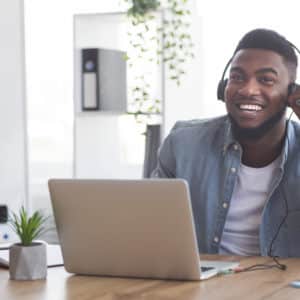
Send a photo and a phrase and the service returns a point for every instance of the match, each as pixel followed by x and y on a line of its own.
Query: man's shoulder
pixel 210 124
pixel 189 137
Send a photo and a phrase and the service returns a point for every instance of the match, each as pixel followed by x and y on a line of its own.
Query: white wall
pixel 49 71
pixel 12 98
pixel 186 101
pixel 180 103
pixel 54 41
pixel 107 145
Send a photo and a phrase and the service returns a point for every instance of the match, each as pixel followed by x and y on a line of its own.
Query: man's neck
pixel 261 152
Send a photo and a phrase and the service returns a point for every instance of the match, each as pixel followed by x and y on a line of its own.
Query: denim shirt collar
pixel 289 141
pixel 228 136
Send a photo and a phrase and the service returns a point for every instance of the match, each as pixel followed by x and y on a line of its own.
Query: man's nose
pixel 249 88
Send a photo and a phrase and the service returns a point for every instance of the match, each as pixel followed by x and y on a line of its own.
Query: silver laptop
pixel 129 228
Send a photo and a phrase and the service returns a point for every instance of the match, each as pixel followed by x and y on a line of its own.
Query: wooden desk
pixel 266 284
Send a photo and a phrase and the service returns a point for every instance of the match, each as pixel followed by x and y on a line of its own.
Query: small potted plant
pixel 28 259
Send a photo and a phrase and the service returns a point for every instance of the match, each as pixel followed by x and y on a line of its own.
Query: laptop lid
pixel 132 228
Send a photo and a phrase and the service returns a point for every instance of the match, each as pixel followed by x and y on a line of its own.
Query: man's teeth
pixel 250 107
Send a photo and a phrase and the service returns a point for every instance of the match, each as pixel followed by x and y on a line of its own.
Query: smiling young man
pixel 243 169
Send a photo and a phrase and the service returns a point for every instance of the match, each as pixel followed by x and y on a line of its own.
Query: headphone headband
pixel 223 82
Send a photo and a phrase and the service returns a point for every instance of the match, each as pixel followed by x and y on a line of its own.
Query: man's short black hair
pixel 269 40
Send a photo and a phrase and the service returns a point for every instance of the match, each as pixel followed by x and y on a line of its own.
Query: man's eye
pixel 266 80
pixel 236 77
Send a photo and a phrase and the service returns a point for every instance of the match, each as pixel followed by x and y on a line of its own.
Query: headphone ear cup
pixel 221 89
pixel 291 88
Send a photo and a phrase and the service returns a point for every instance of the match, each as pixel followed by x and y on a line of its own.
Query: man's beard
pixel 257 132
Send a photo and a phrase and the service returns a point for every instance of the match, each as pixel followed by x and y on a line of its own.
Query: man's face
pixel 257 89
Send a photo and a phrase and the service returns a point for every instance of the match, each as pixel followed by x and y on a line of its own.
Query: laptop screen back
pixel 132 228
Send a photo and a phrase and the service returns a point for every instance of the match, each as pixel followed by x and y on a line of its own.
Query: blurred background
pixel 90 91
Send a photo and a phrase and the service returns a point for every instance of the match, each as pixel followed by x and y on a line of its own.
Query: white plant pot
pixel 28 262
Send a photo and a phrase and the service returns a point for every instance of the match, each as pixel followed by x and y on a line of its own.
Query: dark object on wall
pixel 90 78
pixel 151 148
pixel 3 214
pixel 104 85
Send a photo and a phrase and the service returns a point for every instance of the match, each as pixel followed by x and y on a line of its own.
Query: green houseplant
pixel 28 259
pixel 169 43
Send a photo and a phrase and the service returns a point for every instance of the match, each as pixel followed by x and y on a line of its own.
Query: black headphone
pixel 223 82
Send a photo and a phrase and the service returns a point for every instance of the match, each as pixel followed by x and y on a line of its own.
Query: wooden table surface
pixel 264 284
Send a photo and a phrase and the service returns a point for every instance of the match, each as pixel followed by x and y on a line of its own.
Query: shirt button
pixel 233 170
pixel 235 147
pixel 216 239
pixel 225 205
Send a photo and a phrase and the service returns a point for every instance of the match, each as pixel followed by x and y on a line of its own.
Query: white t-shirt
pixel 252 188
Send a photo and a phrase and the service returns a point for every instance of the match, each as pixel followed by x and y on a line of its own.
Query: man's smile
pixel 248 111
pixel 249 107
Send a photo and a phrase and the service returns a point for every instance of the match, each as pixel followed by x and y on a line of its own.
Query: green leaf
pixel 179 12
pixel 27 228
pixel 125 57
pixel 173 45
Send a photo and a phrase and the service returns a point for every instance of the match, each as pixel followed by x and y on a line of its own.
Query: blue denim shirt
pixel 205 153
